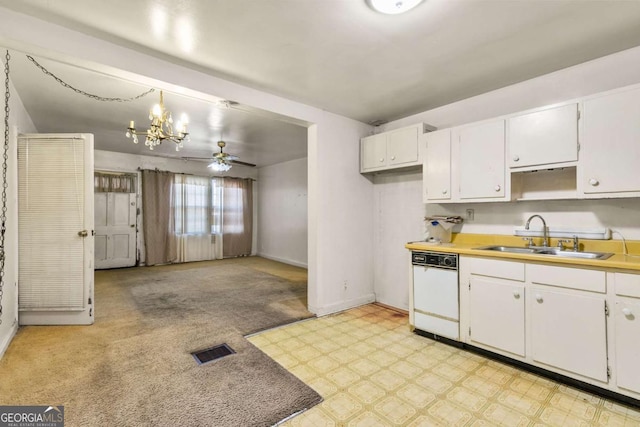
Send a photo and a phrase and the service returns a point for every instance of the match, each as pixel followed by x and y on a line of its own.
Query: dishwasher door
pixel 435 301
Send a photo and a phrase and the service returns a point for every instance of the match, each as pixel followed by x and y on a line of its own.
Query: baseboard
pixel 343 305
pixel 283 260
pixel 390 307
pixel 4 345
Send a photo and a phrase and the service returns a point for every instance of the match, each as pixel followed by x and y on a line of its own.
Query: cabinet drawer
pixel 567 277
pixel 512 270
pixel 627 284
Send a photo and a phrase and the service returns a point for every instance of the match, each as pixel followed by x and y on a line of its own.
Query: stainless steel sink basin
pixel 547 251
pixel 512 249
pixel 572 254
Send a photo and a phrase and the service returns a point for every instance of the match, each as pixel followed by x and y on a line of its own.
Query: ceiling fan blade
pixel 195 158
pixel 238 162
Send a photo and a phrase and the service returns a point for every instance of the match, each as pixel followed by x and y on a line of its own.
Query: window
pixel 192 204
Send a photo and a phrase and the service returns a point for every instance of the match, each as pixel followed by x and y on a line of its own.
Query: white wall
pixel 19 122
pixel 397 221
pixel 340 199
pixel 390 258
pixel 282 212
pixel 340 220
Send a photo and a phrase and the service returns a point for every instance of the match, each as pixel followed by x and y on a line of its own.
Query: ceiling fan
pixel 222 159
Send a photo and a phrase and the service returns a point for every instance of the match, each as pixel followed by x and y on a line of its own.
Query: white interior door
pixel 55 229
pixel 115 221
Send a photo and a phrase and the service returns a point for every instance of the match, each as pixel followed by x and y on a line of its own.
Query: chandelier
pixel 161 128
pixel 220 165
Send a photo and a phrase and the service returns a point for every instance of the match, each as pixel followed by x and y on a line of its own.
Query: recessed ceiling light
pixel 393 7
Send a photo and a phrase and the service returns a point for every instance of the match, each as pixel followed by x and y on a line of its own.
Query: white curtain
pixel 197 218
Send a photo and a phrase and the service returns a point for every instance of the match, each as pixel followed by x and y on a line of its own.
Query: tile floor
pixel 372 371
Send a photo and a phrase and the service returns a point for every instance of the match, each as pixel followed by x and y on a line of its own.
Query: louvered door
pixel 55 229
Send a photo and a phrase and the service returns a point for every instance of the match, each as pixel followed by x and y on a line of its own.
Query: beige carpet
pixel 134 367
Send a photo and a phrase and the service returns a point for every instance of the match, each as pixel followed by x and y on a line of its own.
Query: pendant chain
pixel 81 92
pixel 5 160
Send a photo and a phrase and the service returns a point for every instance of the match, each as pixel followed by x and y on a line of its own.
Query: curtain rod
pixel 190 174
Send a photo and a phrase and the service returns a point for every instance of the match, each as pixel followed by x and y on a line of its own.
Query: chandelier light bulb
pixel 156 111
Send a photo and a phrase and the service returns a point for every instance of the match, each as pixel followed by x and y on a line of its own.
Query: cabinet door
pixel 501 328
pixel 610 146
pixel 568 331
pixel 402 146
pixel 482 161
pixel 437 166
pixel 627 323
pixel 373 152
pixel 544 137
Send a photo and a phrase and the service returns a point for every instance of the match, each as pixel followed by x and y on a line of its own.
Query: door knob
pixel 516 158
pixel 83 233
pixel 497 188
pixel 516 294
pixel 594 182
pixel 627 311
pixel 539 298
pixel 444 191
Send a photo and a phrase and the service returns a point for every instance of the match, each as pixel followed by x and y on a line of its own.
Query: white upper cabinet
pixel 373 152
pixel 610 147
pixel 481 164
pixel 437 166
pixel 402 146
pixel 394 149
pixel 544 137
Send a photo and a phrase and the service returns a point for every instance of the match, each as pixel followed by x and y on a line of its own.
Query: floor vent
pixel 213 353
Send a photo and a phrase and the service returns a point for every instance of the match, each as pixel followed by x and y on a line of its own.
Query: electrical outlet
pixel 470 214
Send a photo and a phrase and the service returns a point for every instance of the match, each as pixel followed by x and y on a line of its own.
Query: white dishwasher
pixel 435 294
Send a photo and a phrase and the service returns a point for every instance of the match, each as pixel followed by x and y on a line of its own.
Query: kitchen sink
pixel 512 249
pixel 573 254
pixel 547 251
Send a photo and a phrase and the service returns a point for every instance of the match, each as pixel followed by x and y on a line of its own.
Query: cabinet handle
pixel 627 311
pixel 393 157
pixel 594 182
pixel 539 298
pixel 381 159
pixel 516 294
pixel 497 188
pixel 516 158
pixel 444 191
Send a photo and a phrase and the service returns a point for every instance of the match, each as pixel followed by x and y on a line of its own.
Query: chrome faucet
pixel 545 236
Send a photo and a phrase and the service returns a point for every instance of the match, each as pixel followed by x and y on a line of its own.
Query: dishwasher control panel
pixel 435 259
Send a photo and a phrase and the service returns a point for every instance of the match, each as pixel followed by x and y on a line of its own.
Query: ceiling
pixel 255 138
pixel 337 55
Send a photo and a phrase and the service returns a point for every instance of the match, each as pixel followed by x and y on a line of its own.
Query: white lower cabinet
pixel 626 318
pixel 554 317
pixel 569 331
pixel 626 315
pixel 496 314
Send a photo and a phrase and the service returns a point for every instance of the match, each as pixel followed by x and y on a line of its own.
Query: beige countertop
pixel 464 244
